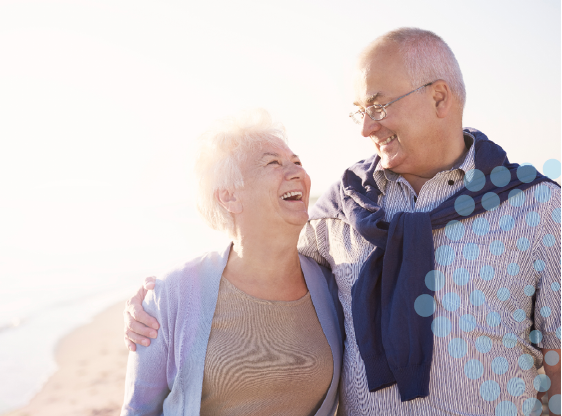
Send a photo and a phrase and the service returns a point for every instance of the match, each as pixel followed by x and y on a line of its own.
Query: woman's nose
pixel 295 172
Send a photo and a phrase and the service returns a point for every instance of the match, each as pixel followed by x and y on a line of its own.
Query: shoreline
pixel 90 378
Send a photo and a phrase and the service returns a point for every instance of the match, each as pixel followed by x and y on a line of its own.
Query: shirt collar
pixel 383 176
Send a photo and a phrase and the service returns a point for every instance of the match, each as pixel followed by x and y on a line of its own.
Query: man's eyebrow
pixel 370 99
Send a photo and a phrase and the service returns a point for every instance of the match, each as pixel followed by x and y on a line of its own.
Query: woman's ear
pixel 229 200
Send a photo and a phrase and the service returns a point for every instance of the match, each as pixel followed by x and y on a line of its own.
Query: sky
pixel 101 101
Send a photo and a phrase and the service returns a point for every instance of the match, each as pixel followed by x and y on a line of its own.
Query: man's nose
pixel 369 126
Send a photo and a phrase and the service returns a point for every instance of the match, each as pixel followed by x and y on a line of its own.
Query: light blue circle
pixel 483 344
pixel 509 340
pixel 526 362
pixel 500 176
pixel 542 193
pixel 551 358
pixel 523 244
pixel 519 315
pixel 490 201
pixel 541 382
pixel 441 326
pixel 539 265
pixel 507 223
pixel 526 173
pixel 556 215
pixel 434 280
pixel 503 293
pixel 461 276
pixel 470 251
pixel 487 272
pixel 535 336
pixel 533 219
pixel 444 255
pixel 493 319
pixel 545 311
pixel 497 247
pixel 464 205
pixel 516 197
pixel 473 369
pixel 548 240
pixel 532 406
pixel 506 408
pixel 467 322
pixel 424 305
pixel 558 332
pixel 529 290
pixel 480 226
pixel 551 168
pixel 490 390
pixel 457 348
pixel 474 180
pixel 516 386
pixel 477 297
pixel 451 301
pixel 554 403
pixel 513 269
pixel 500 365
pixel 555 286
pixel 454 230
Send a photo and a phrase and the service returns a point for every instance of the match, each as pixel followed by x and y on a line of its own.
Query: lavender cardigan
pixel 166 378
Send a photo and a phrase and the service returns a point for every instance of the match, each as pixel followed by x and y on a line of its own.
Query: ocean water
pixel 47 290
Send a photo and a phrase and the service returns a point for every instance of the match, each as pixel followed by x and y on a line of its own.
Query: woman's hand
pixel 139 326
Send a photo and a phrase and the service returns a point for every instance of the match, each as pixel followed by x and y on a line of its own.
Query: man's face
pixel 403 139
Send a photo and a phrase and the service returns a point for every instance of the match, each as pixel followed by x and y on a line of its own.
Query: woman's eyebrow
pixel 275 155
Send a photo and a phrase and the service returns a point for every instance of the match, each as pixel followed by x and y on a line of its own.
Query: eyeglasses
pixel 378 111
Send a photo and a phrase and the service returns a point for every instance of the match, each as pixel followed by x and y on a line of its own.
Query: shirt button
pixel 451 182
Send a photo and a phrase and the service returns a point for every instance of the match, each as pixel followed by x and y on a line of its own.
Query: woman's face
pixel 276 188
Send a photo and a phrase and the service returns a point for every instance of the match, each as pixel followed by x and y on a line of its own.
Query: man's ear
pixel 229 200
pixel 443 98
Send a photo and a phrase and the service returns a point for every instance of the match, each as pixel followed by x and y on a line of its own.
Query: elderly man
pixel 446 256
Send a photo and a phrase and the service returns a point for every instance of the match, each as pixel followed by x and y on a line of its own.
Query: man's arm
pixel 553 373
pixel 139 325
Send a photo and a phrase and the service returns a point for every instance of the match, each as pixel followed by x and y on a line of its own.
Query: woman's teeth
pixel 297 195
pixel 387 141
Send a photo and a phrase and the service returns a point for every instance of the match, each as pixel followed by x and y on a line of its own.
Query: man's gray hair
pixel 427 58
pixel 222 151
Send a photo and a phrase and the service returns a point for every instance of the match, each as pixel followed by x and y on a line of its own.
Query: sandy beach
pixel 90 380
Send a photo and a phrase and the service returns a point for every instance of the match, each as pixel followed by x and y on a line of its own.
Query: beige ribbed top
pixel 264 357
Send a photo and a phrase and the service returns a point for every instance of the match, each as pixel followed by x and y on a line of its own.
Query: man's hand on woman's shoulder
pixel 139 326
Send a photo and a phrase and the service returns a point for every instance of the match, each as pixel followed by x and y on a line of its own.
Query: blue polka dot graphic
pixel 541 382
pixel 516 386
pixel 454 230
pixel 548 240
pixel 558 332
pixel 533 219
pixel 523 244
pixel 461 276
pixel 555 286
pixel 451 301
pixel 545 311
pixel 535 336
pixel 509 340
pixel 464 205
pixel 487 272
pixel 444 255
pixel 477 297
pixel 551 168
pixel 490 201
pixel 480 226
pixel 493 319
pixel 474 180
pixel 500 365
pixel 526 173
pixel 532 406
pixel 503 293
pixel 542 193
pixel 526 362
pixel 551 358
pixel 554 404
pixel 539 265
pixel 424 305
pixel 519 315
pixel 507 223
pixel 457 348
pixel 513 269
pixel 556 215
pixel 434 280
pixel 490 390
pixel 441 326
pixel 497 248
pixel 470 251
pixel 516 197
pixel 473 369
pixel 506 408
pixel 483 344
pixel 500 176
pixel 529 290
pixel 467 322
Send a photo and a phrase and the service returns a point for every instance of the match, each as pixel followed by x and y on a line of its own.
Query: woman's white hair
pixel 427 58
pixel 222 150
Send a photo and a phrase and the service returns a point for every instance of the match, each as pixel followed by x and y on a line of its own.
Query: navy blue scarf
pixel 395 342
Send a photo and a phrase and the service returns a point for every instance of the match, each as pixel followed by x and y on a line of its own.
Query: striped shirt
pixel 497 296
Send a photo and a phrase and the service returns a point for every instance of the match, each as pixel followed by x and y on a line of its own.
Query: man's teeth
pixel 290 194
pixel 387 141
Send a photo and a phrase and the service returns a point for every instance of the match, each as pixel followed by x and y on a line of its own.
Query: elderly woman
pixel 254 329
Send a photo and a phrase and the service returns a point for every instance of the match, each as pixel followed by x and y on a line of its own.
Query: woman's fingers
pixel 138 332
pixel 149 283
